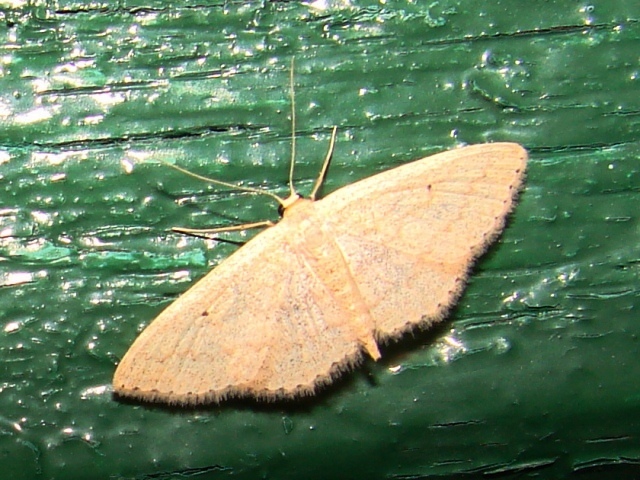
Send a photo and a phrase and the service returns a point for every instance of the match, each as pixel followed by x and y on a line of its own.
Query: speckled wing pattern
pixel 412 233
pixel 300 302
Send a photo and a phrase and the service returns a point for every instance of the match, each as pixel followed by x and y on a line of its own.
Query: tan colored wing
pixel 270 327
pixel 409 235
pixel 297 304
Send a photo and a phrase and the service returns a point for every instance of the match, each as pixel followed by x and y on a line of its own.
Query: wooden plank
pixel 536 371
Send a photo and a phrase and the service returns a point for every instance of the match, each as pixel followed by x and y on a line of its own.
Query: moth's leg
pixel 325 165
pixel 231 228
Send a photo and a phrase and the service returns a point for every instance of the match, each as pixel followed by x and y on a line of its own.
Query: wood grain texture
pixel 536 371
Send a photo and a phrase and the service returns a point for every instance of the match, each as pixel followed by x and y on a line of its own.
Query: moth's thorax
pixel 301 220
pixel 301 208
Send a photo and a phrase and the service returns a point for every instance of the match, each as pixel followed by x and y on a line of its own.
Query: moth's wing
pixel 261 324
pixel 410 234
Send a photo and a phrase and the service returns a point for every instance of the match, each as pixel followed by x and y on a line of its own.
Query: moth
pixel 306 299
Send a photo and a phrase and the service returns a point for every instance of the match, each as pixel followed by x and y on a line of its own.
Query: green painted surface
pixel 535 373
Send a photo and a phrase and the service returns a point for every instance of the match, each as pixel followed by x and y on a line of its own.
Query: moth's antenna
pixel 284 202
pixel 293 130
pixel 256 191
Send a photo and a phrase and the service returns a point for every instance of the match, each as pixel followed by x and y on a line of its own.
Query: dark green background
pixel 536 372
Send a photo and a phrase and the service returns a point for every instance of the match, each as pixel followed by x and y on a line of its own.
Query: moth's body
pixel 315 242
pixel 300 302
